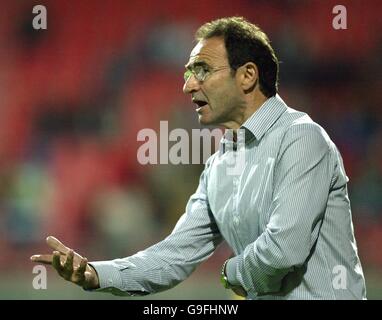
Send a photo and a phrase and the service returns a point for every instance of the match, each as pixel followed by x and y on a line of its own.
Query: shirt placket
pixel 236 221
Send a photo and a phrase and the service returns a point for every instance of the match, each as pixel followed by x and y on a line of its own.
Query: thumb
pixel 91 280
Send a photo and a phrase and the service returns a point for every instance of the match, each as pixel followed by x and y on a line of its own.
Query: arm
pixel 170 261
pixel 302 179
pixel 157 268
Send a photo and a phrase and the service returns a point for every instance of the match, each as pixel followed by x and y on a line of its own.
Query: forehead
pixel 212 51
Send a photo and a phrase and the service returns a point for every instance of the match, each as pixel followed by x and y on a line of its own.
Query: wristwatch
pixel 239 290
pixel 223 277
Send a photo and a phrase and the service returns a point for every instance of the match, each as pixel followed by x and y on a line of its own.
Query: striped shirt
pixel 286 216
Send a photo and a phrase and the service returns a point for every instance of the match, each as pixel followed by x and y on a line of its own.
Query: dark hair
pixel 245 42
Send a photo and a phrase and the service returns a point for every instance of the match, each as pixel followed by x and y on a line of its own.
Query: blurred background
pixel 73 98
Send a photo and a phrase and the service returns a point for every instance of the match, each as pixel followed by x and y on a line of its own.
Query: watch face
pixel 224 281
pixel 223 277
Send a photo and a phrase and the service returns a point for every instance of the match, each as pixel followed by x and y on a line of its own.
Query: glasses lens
pixel 199 72
pixel 187 75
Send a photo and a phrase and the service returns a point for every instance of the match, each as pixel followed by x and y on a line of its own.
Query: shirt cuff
pixel 109 276
pixel 230 271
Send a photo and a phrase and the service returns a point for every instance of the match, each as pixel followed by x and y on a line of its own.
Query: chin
pixel 205 121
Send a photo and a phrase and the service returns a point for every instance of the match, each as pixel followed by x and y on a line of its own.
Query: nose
pixel 191 85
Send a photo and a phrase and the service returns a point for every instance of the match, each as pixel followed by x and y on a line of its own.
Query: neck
pixel 246 112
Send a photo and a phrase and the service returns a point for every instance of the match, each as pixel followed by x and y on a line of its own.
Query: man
pixel 286 215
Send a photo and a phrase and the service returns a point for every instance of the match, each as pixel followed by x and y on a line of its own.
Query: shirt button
pixel 110 281
pixel 236 221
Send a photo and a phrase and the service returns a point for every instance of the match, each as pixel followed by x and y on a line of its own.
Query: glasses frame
pixel 191 70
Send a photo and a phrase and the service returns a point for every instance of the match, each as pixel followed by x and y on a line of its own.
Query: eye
pixel 201 72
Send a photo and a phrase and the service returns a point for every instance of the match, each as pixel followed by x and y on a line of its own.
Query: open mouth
pixel 200 103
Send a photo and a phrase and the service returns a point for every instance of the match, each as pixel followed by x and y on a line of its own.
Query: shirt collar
pixel 263 118
pixel 258 123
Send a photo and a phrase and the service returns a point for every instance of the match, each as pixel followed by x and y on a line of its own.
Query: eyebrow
pixel 195 64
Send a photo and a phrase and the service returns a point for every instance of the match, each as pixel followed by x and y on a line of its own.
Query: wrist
pixel 223 276
pixel 237 288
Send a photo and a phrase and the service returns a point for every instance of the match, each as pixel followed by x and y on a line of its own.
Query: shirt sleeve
pixel 165 264
pixel 302 179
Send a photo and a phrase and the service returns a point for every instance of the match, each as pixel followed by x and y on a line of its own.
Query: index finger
pixel 56 244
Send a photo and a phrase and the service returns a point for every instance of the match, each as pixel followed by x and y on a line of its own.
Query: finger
pixel 57 245
pixel 68 265
pixel 82 268
pixel 240 291
pixel 79 273
pixel 42 258
pixel 56 263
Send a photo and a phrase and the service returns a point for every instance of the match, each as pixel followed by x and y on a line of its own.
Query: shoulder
pixel 299 130
pixel 300 124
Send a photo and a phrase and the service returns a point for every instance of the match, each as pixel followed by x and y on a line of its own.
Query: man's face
pixel 217 97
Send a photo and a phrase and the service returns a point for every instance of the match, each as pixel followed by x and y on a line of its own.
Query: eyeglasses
pixel 201 72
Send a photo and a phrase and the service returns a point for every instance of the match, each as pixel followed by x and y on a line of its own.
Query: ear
pixel 248 76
